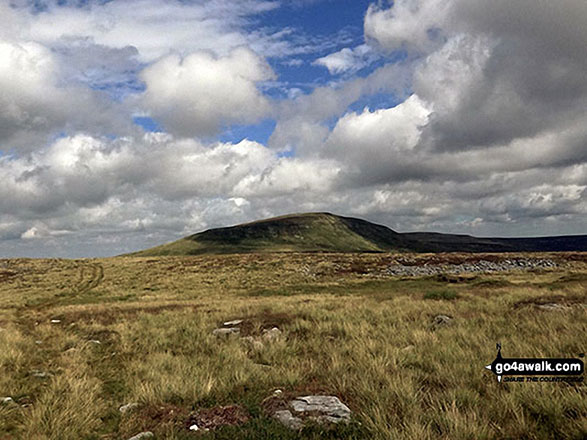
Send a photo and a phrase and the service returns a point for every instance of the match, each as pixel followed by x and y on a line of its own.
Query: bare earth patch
pixel 217 417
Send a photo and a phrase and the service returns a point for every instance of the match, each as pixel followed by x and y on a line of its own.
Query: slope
pixel 325 232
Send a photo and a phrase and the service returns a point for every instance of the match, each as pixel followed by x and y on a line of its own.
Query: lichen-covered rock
pixel 327 408
pixel 301 411
pixel 288 420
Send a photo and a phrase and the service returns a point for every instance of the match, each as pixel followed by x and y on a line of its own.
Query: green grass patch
pixel 443 294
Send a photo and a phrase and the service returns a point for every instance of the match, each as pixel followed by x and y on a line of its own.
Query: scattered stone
pixel 94 341
pixel 38 342
pixel 554 307
pixel 226 331
pixel 55 321
pixel 272 335
pixel 128 407
pixel 6 399
pixel 441 321
pixel 266 366
pixel 328 408
pixel 277 392
pixel 288 420
pixel 233 323
pixel 411 268
pixel 296 413
pixel 195 427
pixel 40 374
pixel 142 435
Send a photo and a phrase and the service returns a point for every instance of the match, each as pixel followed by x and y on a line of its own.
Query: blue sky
pixel 128 123
pixel 326 24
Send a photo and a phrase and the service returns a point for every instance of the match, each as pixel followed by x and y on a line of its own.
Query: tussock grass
pixel 347 330
pixel 445 294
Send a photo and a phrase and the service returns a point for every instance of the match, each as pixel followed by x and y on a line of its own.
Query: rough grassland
pixel 348 331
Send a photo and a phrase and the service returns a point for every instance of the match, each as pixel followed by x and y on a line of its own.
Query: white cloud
pixel 34 105
pixel 373 144
pixel 408 24
pixel 198 94
pixel 492 129
pixel 347 60
pixel 155 28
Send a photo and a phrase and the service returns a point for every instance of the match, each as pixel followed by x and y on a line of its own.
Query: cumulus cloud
pixel 412 25
pixel 153 27
pixel 502 70
pixel 81 182
pixel 373 144
pixel 300 122
pixel 486 134
pixel 34 105
pixel 198 94
pixel 347 59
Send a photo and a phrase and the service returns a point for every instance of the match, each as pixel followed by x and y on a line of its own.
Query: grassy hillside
pixel 315 232
pixel 78 339
pixel 324 232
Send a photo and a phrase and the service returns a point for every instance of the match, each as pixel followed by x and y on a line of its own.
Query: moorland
pixel 81 338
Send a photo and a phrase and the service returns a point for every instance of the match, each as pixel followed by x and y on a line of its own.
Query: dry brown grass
pixel 348 330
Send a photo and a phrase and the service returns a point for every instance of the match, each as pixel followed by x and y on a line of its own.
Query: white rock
pixel 55 321
pixel 233 323
pixel 128 407
pixel 226 331
pixel 441 320
pixel 553 307
pixel 272 335
pixel 277 392
pixel 6 399
pixel 38 342
pixel 194 427
pixel 289 420
pixel 329 407
pixel 142 435
pixel 94 341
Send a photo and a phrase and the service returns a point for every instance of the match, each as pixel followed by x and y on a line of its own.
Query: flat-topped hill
pixel 325 232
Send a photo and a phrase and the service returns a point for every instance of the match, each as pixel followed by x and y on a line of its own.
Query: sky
pixel 129 123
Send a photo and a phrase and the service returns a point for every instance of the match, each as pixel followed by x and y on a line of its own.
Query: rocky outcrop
pixel 296 413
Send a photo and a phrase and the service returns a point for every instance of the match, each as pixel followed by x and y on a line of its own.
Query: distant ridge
pixel 325 232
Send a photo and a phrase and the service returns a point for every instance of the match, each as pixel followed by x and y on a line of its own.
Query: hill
pixel 325 232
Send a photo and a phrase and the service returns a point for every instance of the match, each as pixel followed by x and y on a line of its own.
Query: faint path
pixel 90 276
